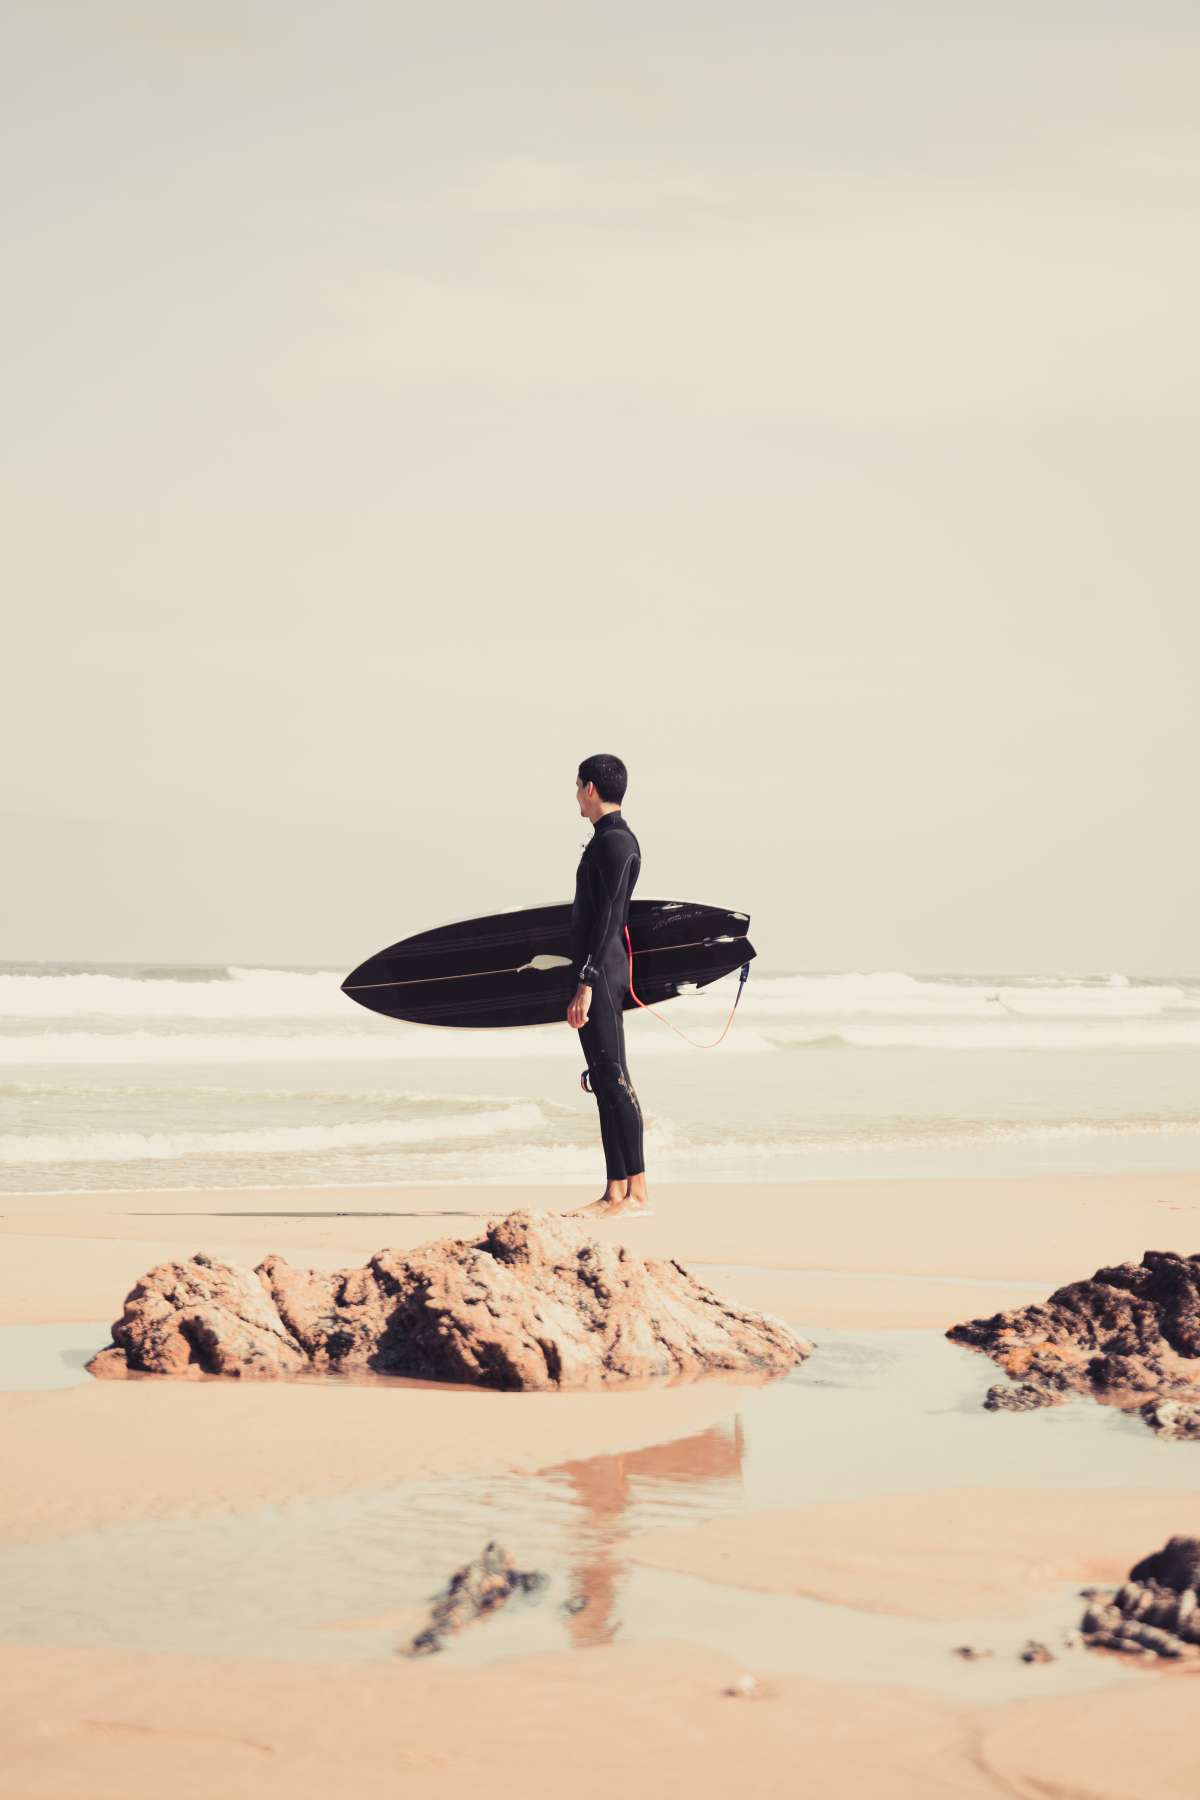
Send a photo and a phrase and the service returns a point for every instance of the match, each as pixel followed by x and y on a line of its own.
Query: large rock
pixel 1129 1336
pixel 536 1302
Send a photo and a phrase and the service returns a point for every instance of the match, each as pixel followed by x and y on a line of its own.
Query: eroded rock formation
pixel 1158 1608
pixel 1129 1336
pixel 200 1316
pixel 537 1302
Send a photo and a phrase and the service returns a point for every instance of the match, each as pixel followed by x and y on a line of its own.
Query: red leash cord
pixel 683 1034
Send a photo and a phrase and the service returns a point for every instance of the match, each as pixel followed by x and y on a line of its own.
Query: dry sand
pixel 851 1255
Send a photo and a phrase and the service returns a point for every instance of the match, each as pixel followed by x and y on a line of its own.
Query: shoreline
pixel 870 1481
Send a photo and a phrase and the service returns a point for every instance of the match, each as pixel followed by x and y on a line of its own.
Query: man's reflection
pixel 604 1489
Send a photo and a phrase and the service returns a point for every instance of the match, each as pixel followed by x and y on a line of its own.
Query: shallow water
pixel 35 1358
pixel 351 1577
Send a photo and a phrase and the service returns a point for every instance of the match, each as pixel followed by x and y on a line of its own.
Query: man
pixel 608 871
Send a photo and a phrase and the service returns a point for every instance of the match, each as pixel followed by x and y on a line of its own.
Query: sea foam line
pixel 243 995
pixel 135 1146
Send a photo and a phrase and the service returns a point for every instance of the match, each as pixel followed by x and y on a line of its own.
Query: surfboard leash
pixel 743 977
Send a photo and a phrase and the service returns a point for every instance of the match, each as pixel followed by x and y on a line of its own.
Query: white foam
pixel 133 1146
pixel 249 1015
pixel 1132 1034
pixel 888 995
pixel 145 1047
pixel 238 994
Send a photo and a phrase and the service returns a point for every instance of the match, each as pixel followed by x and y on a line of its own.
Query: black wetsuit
pixel 607 875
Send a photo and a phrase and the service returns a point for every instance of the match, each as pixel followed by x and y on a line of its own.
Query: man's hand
pixel 577 1012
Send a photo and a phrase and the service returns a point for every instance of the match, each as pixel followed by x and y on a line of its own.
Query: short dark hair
pixel 609 774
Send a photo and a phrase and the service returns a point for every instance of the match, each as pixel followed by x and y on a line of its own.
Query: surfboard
pixel 514 968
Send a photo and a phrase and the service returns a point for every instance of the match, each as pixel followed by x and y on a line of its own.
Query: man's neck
pixel 606 812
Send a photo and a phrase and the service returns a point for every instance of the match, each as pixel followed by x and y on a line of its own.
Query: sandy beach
pixel 834 1535
pixel 600 598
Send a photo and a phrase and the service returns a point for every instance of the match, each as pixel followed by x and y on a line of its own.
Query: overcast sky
pixel 402 402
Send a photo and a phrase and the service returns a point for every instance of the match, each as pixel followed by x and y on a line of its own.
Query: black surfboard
pixel 515 968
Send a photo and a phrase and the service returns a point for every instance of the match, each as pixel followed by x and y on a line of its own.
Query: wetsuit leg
pixel 603 1041
pixel 614 1162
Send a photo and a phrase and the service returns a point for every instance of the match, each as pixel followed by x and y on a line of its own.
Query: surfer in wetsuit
pixel 607 874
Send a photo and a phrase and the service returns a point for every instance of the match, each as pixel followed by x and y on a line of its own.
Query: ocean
pixel 151 1077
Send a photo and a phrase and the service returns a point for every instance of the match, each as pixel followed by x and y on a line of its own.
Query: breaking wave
pixel 131 1146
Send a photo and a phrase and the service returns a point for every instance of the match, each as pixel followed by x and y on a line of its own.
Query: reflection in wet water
pixel 605 1490
pixel 351 1578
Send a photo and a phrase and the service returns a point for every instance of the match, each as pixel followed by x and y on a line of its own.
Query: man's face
pixel 585 796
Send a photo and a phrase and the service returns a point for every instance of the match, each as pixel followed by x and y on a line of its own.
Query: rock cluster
pixel 1158 1608
pixel 536 1302
pixel 1129 1336
pixel 480 1587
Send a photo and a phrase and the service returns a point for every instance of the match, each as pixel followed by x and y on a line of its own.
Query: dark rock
pixel 1025 1398
pixel 1157 1611
pixel 1129 1336
pixel 480 1587
pixel 972 1653
pixel 537 1302
pixel 1036 1653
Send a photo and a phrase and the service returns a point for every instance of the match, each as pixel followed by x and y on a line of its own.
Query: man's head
pixel 600 785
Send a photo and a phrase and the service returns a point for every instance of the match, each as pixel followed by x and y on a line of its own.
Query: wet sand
pixel 931 1555
pixel 707 1531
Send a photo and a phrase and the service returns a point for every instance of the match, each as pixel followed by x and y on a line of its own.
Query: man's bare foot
pixel 611 1200
pixel 625 1207
pixel 636 1198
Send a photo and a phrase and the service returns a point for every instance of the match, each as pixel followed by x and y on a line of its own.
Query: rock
pixel 1129 1336
pixel 1175 1566
pixel 972 1653
pixel 743 1687
pixel 200 1317
pixel 1172 1418
pixel 1157 1611
pixel 1025 1398
pixel 1036 1653
pixel 537 1302
pixel 479 1587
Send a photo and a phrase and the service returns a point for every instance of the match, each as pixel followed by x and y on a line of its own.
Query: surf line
pixel 562 962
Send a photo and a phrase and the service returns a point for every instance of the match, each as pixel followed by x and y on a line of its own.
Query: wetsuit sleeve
pixel 611 874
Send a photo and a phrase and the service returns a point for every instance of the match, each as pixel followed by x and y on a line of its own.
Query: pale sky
pixel 402 402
